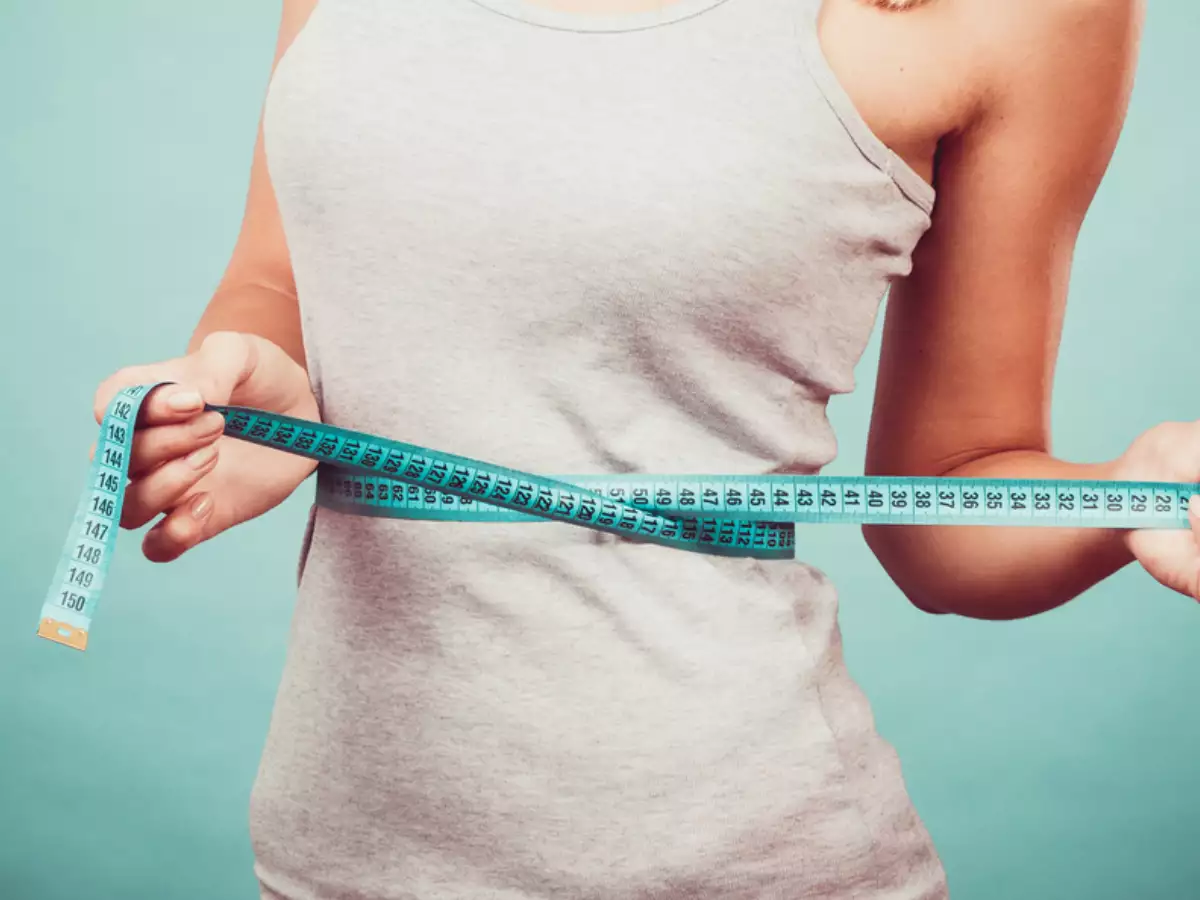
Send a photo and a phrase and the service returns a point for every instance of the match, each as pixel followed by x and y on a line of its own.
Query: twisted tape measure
pixel 729 515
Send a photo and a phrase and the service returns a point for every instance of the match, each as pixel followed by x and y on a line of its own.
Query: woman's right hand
pixel 182 465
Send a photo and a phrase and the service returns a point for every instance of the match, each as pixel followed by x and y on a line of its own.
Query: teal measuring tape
pixel 729 515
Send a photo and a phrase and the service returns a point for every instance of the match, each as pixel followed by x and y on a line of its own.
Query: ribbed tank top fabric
pixel 645 243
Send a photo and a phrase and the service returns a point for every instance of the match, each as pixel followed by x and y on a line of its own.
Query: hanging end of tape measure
pixel 62 633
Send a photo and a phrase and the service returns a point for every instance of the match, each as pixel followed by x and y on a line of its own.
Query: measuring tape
pixel 728 515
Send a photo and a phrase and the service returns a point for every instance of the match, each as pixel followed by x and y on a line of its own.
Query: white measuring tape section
pixel 729 515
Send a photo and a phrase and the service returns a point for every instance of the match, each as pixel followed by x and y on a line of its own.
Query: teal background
pixel 1051 758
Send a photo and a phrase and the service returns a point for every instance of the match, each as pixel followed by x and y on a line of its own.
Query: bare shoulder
pixel 1054 24
pixel 920 71
pixel 1020 42
pixel 1056 79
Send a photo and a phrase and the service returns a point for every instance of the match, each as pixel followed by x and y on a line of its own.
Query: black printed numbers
pixel 71 600
pixel 89 555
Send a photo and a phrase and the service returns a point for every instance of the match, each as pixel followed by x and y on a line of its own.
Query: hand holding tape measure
pixel 157 453
pixel 175 467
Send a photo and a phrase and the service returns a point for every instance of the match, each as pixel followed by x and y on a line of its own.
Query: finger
pixel 182 528
pixel 154 446
pixel 161 489
pixel 211 374
pixel 1194 522
pixel 171 404
pixel 125 378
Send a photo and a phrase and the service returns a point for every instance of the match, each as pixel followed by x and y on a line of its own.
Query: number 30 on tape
pixel 727 515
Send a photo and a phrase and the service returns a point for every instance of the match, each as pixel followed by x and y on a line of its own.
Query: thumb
pixel 222 364
pixel 1194 524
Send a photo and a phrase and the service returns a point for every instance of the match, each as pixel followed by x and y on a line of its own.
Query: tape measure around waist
pixel 729 515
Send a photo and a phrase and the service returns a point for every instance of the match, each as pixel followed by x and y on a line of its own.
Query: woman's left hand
pixel 1167 452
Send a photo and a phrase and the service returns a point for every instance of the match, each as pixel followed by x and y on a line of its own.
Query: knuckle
pixel 1171 433
pixel 223 340
pixel 158 491
pixel 180 475
pixel 181 530
pixel 224 347
pixel 1162 442
pixel 222 355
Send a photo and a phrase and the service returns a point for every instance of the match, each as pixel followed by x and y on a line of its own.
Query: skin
pixel 980 99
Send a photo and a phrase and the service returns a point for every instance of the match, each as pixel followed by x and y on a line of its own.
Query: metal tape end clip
pixel 62 633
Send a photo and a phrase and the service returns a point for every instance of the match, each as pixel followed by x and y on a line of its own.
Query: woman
pixel 622 236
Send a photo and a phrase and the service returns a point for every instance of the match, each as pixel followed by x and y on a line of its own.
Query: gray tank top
pixel 654 242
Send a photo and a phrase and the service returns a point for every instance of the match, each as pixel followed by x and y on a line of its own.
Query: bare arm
pixel 971 337
pixel 257 294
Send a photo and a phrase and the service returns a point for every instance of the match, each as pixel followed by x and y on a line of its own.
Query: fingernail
pixel 198 459
pixel 210 423
pixel 201 506
pixel 185 401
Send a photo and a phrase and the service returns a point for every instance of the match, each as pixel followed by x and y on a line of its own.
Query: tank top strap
pixel 908 180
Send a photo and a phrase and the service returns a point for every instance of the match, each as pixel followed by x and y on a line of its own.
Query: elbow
pixel 888 544
pixel 933 575
pixel 923 603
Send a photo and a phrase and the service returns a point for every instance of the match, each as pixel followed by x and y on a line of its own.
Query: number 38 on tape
pixel 727 515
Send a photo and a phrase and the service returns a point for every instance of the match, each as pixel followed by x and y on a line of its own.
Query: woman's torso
pixel 658 249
